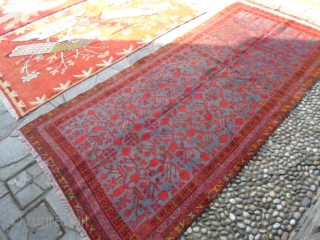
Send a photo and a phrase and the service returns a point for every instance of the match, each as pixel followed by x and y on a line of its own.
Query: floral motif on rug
pixel 141 156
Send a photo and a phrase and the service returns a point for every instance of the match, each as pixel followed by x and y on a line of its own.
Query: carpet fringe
pixel 44 166
pixel 8 106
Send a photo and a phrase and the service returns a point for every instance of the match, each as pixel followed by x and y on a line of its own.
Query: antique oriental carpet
pixel 141 155
pixel 16 13
pixel 45 58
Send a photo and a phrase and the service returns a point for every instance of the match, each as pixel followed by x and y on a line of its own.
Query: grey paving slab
pixel 10 213
pixel 121 65
pixel 19 231
pixel 156 48
pixel 43 182
pixel 7 124
pixel 37 113
pixel 164 40
pixel 106 74
pixel 41 215
pixel 58 208
pixel 3 189
pixel 158 43
pixel 11 170
pixel 35 170
pixel 307 11
pixel 12 150
pixel 19 182
pixel 274 5
pixel 80 88
pixel 142 52
pixel 179 31
pixel 3 236
pixel 71 235
pixel 27 195
pixel 14 134
pixel 49 231
pixel 2 107
pixel 58 100
pixel 201 5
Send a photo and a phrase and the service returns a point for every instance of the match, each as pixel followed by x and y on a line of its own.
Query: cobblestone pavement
pixel 30 208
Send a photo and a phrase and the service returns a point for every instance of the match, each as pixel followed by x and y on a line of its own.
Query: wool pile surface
pixel 47 57
pixel 141 155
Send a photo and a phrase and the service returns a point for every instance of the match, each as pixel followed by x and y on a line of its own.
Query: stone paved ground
pixel 307 10
pixel 30 208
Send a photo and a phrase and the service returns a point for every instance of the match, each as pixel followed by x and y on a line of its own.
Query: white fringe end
pixel 44 166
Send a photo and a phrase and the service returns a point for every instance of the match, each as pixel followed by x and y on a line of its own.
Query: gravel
pixel 269 196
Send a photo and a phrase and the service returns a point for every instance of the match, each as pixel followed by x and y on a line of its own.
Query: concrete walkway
pixel 29 207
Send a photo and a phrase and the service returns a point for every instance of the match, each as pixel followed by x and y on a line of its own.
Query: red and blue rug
pixel 141 155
